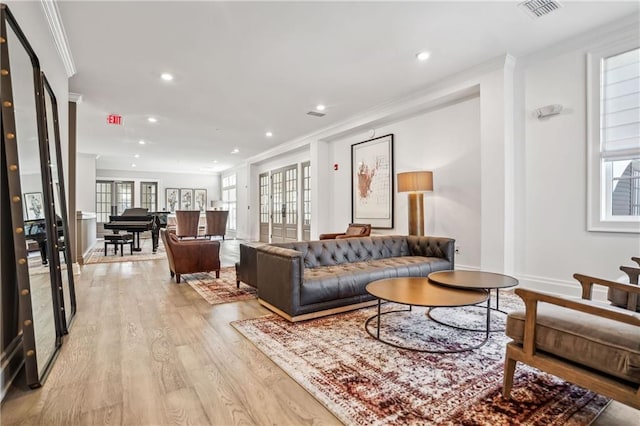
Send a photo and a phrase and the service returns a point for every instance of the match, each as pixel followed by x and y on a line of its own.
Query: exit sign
pixel 114 119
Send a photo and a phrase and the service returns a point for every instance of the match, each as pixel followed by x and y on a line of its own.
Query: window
pixel 149 196
pixel 614 138
pixel 112 198
pixel 229 199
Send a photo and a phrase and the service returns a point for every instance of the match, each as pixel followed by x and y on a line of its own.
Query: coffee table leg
pixel 378 326
pixel 488 315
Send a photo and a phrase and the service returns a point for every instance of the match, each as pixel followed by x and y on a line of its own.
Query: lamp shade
pixel 415 181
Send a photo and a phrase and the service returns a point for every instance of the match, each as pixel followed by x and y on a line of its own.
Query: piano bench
pixel 118 239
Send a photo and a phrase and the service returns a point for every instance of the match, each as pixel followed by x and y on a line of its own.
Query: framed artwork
pixel 372 182
pixel 34 205
pixel 186 199
pixel 172 199
pixel 200 199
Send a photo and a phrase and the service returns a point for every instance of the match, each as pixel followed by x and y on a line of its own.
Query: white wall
pixel 446 141
pixel 30 16
pixel 165 180
pixel 553 240
pixel 86 183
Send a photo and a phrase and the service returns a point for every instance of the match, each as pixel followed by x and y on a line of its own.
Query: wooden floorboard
pixel 144 350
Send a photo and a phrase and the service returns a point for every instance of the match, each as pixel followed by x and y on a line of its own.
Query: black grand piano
pixel 137 220
pixel 35 230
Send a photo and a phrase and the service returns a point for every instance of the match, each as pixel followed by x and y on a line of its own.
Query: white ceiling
pixel 242 68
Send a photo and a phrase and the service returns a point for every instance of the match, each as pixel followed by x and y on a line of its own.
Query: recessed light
pixel 320 107
pixel 422 56
pixel 137 156
pixel 141 142
pixel 152 120
pixel 215 161
pixel 166 76
pixel 235 151
pixel 133 165
pixel 268 134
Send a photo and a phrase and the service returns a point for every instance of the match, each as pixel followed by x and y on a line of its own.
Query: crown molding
pixel 54 19
pixel 75 97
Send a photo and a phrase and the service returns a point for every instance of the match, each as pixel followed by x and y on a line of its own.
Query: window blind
pixel 620 106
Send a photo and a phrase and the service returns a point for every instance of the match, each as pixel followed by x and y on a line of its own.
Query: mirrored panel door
pixel 66 289
pixel 29 187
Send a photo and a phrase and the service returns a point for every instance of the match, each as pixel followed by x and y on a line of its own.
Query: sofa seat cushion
pixel 345 280
pixel 600 343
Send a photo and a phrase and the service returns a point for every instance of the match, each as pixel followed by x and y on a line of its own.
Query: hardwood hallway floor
pixel 146 351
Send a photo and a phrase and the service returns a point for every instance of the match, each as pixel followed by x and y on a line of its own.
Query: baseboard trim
pixel 558 287
pixel 317 314
pixel 467 268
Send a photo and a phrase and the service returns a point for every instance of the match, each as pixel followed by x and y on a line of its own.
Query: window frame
pixel 598 178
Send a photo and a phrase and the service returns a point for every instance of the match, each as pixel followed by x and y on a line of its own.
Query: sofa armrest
pixel 441 247
pixel 330 236
pixel 280 275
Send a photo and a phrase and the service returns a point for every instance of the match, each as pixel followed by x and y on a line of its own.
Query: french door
pixel 112 198
pixel 284 204
pixel 263 184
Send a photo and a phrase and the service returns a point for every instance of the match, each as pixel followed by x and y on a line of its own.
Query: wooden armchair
pixel 353 231
pixel 591 344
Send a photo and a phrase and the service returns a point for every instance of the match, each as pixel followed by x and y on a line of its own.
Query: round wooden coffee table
pixel 473 280
pixel 420 292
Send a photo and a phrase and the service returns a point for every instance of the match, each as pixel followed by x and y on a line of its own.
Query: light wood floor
pixel 145 351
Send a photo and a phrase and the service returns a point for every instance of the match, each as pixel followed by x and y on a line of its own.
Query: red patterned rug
pixel 219 290
pixel 365 382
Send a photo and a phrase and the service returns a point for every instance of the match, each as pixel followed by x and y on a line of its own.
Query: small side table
pixel 118 239
pixel 473 280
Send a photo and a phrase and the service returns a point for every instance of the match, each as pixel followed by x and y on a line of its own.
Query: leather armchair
pixel 354 230
pixel 189 256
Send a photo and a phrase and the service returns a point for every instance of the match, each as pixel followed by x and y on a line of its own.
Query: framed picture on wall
pixel 186 199
pixel 172 199
pixel 372 182
pixel 34 205
pixel 200 199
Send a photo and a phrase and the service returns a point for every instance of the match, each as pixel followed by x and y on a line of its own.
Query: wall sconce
pixel 415 183
pixel 548 111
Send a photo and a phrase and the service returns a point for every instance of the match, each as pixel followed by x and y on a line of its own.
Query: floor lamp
pixel 415 183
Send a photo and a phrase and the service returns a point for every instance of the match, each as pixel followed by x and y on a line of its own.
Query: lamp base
pixel 416 213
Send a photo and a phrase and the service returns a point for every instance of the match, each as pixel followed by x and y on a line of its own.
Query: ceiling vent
pixel 538 8
pixel 316 114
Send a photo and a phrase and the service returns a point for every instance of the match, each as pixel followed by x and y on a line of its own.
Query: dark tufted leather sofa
pixel 307 279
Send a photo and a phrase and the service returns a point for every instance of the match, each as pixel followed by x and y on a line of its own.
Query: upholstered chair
pixel 187 223
pixel 588 343
pixel 216 222
pixel 622 298
pixel 353 231
pixel 190 256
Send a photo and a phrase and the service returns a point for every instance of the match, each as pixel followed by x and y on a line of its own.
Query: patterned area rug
pixel 363 381
pixel 219 290
pixel 97 253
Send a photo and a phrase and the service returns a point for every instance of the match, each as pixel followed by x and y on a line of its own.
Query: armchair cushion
pixel 353 230
pixel 600 343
